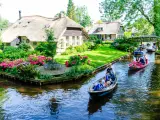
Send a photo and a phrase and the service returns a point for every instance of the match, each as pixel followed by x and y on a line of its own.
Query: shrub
pixel 81 69
pixel 13 53
pixel 81 48
pixel 48 48
pixel 124 44
pixel 10 64
pixel 12 71
pixel 93 38
pixel 90 45
pixel 98 41
pixel 1 52
pixel 38 60
pixel 77 60
pixel 71 49
pixel 24 46
pixel 27 72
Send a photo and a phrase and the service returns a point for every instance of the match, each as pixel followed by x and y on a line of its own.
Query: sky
pixel 48 8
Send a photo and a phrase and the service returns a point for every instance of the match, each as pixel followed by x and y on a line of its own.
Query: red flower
pixel 67 64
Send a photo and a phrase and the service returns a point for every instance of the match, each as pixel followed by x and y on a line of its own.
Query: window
pixel 100 29
pixel 73 37
pixel 67 38
pixel 78 37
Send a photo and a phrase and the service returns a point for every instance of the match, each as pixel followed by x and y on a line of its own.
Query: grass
pixel 103 55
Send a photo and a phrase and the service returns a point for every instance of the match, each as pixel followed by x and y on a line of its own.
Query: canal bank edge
pixel 60 79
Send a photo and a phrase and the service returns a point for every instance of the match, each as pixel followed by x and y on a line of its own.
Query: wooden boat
pixel 104 91
pixel 137 65
pixel 151 50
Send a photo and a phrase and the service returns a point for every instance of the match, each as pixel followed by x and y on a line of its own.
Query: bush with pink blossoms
pixel 38 60
pixel 10 64
pixel 77 60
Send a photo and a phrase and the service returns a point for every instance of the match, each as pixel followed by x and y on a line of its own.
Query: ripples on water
pixel 136 97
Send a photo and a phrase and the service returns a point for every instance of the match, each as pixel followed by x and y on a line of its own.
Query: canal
pixel 137 97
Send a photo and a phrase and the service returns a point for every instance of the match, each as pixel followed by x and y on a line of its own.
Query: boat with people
pixel 139 52
pixel 104 85
pixel 137 65
pixel 141 62
pixel 153 49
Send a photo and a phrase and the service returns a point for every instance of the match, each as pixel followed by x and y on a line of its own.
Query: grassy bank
pixel 103 55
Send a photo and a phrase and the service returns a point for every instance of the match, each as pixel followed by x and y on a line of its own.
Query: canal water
pixel 137 97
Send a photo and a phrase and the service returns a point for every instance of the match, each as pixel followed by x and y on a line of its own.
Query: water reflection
pixel 95 104
pixel 3 97
pixel 53 104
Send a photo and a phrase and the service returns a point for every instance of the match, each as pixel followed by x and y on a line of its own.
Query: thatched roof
pixel 33 27
pixel 107 28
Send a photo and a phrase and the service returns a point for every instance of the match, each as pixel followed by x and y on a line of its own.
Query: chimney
pixel 20 14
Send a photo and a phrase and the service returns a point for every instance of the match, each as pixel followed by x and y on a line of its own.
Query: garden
pixel 42 63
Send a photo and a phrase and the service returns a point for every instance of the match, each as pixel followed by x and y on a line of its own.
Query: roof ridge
pixel 37 16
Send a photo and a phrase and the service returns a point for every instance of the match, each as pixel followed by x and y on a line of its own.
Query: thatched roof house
pixel 32 30
pixel 107 30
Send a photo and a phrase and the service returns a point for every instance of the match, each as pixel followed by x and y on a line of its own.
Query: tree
pixel 71 10
pixel 48 48
pixel 3 24
pixel 142 27
pixel 82 16
pixel 131 10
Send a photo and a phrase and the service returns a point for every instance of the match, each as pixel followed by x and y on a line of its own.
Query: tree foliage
pixel 3 24
pixel 48 48
pixel 24 46
pixel 71 10
pixel 82 16
pixel 141 27
pixel 131 10
pixel 78 14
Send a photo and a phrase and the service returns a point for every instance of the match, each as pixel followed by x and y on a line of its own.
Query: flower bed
pixel 32 59
pixel 77 60
pixel 38 60
pixel 10 64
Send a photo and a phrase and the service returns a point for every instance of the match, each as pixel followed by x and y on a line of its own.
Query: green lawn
pixel 98 57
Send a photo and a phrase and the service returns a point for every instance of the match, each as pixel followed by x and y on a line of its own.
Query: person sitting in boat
pixel 142 60
pixel 154 46
pixel 98 86
pixel 112 75
pixel 107 79
pixel 137 59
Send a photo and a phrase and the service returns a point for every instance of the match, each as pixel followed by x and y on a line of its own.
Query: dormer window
pixel 100 29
